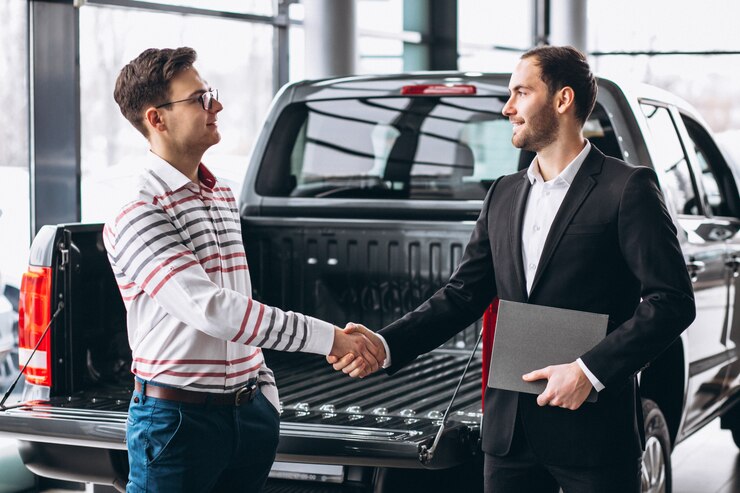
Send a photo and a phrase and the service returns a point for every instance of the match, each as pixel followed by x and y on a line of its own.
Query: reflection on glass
pixel 670 160
pixel 432 147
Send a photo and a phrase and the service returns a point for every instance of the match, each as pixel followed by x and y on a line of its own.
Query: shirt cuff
pixel 387 361
pixel 320 336
pixel 591 377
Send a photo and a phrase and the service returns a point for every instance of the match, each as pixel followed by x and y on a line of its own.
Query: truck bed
pixel 325 415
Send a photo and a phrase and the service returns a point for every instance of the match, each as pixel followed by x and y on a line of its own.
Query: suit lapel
pixel 577 193
pixel 518 206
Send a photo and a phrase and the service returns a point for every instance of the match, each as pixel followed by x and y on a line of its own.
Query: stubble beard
pixel 542 131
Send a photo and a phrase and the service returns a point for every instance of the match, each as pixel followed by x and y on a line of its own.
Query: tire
pixel 656 459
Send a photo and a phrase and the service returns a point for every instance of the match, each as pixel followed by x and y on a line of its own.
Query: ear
pixel 154 119
pixel 565 99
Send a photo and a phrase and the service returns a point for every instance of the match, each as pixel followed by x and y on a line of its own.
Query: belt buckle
pixel 246 392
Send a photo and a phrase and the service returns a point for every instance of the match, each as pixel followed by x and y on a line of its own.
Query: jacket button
pixel 136 400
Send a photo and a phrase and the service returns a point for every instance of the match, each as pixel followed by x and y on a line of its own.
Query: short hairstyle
pixel 145 81
pixel 565 66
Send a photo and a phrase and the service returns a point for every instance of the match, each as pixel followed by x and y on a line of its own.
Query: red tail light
pixel 34 314
pixel 439 89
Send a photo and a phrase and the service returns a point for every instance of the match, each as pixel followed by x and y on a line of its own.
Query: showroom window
pixel 14 151
pixel 238 62
pixel 385 43
pixel 493 35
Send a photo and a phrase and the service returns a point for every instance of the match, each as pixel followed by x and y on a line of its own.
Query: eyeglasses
pixel 206 99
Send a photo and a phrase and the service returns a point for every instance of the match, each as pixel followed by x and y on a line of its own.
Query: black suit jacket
pixel 612 249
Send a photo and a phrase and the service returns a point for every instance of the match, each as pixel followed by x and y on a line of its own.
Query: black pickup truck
pixel 357 204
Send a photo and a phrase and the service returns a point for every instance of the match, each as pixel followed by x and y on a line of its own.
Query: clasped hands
pixel 356 351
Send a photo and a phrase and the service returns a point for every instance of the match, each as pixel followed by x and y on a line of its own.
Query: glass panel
pixel 237 62
pixel 260 7
pixel 661 25
pixel 716 177
pixel 380 55
pixel 380 15
pixel 297 53
pixel 670 161
pixel 472 59
pixel 15 228
pixel 495 23
pixel 448 148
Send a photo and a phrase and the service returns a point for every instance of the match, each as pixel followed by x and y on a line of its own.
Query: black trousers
pixel 521 472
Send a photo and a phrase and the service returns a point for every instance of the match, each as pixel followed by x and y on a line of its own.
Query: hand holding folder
pixel 531 337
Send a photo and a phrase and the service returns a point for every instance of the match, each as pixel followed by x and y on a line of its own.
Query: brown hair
pixel 145 81
pixel 565 66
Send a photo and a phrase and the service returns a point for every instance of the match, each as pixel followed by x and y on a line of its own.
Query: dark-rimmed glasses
pixel 206 99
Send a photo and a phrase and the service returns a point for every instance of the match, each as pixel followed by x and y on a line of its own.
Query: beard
pixel 541 131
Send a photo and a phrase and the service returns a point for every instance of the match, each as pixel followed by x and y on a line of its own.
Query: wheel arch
pixel 664 381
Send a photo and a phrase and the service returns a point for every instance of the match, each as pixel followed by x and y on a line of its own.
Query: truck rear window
pixel 424 148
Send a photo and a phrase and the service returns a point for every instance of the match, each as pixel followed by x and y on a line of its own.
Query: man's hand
pixel 348 362
pixel 567 385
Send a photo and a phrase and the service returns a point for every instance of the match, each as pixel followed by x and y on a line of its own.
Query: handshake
pixel 357 351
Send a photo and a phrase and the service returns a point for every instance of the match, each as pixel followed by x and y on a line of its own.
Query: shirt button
pixel 532 266
pixel 536 228
pixel 547 194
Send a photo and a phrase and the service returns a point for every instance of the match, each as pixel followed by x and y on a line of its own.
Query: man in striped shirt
pixel 204 412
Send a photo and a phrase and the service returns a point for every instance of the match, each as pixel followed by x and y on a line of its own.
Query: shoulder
pixel 140 202
pixel 617 171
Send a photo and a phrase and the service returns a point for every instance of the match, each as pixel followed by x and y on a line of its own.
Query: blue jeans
pixel 178 447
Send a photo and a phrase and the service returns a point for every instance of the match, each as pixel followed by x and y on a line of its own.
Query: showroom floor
pixel 707 462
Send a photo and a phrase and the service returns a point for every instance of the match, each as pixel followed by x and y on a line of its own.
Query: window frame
pixel 690 163
pixel 718 166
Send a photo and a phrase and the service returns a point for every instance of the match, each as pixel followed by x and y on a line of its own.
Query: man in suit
pixel 576 230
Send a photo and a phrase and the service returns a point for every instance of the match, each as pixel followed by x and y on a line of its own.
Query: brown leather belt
pixel 244 394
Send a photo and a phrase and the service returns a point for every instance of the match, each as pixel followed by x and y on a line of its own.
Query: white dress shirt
pixel 543 203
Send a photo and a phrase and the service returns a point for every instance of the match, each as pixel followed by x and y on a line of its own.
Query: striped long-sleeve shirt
pixel 178 258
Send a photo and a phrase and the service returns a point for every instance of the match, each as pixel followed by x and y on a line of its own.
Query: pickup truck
pixel 357 204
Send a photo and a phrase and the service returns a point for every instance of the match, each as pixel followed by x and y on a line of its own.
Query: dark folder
pixel 530 337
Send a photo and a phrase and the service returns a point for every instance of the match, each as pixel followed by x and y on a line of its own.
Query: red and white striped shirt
pixel 178 257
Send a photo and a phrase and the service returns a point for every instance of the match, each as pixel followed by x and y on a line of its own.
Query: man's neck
pixel 553 159
pixel 187 164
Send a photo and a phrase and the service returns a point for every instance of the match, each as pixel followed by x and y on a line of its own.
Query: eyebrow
pixel 519 86
pixel 198 92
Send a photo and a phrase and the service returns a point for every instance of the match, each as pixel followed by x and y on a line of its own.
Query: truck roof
pixel 486 83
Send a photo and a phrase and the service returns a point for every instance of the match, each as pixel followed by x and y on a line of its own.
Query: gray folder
pixel 530 337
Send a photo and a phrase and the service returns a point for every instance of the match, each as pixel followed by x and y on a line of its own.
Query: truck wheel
pixel 656 459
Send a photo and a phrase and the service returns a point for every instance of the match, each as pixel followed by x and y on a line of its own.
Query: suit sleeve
pixel 453 307
pixel 649 245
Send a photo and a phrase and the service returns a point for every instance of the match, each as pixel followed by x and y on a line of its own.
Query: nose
pixel 508 108
pixel 216 106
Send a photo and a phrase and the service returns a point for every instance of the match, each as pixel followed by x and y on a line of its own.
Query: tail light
pixel 34 314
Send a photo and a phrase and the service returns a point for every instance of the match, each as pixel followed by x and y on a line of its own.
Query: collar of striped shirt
pixel 173 178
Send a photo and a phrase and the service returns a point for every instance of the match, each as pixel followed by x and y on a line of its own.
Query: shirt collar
pixel 567 175
pixel 173 178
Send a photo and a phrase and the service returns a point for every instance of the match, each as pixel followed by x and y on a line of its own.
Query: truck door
pixel 722 203
pixel 705 254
